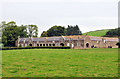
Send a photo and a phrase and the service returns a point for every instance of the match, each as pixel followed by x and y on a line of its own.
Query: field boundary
pixel 14 48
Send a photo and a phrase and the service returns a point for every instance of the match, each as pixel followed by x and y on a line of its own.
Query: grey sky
pixel 88 14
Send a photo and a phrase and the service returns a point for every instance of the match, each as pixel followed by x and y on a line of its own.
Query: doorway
pixel 30 44
pixel 87 45
pixel 61 44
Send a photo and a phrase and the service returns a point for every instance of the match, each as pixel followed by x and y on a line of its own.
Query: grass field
pixel 97 33
pixel 60 63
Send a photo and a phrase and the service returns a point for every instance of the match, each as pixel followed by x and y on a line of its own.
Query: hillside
pixel 97 33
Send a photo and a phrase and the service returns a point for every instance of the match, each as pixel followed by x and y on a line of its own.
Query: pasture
pixel 97 33
pixel 60 63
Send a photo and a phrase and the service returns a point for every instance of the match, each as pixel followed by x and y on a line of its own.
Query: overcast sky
pixel 89 15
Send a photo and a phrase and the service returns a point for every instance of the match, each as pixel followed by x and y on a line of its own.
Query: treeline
pixel 11 31
pixel 113 32
pixel 62 31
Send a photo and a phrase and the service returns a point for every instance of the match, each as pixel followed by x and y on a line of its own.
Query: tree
pixel 118 44
pixel 44 34
pixel 11 33
pixel 22 31
pixel 77 30
pixel 113 32
pixel 73 30
pixel 56 31
pixel 32 30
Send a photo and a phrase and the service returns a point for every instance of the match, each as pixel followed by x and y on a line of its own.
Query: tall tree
pixel 9 34
pixel 22 31
pixel 44 34
pixel 32 30
pixel 77 30
pixel 56 31
pixel 73 30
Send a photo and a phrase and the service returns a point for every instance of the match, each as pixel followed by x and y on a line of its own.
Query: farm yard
pixel 60 63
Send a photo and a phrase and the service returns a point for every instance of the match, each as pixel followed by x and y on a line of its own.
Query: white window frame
pixel 104 41
pixel 22 45
pixel 25 45
pixel 68 44
pixel 72 45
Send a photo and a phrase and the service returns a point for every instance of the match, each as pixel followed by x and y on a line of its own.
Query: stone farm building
pixel 77 41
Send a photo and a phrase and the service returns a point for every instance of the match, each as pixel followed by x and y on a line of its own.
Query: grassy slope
pixel 60 63
pixel 97 33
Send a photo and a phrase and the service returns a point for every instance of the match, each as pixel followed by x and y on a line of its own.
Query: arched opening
pixel 46 44
pixel 61 44
pixel 40 44
pixel 30 44
pixel 43 44
pixel 37 45
pixel 49 44
pixel 87 45
pixel 53 44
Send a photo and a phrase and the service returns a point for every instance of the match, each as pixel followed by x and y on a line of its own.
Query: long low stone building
pixel 76 42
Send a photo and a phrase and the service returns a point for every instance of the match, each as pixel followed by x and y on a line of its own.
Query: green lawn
pixel 97 33
pixel 60 63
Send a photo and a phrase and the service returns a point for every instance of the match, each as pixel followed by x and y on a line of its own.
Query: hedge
pixel 12 48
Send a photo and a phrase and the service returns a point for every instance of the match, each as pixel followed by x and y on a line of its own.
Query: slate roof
pixel 112 39
pixel 39 39
pixel 75 37
pixel 103 38
pixel 53 38
pixel 96 38
pixel 24 39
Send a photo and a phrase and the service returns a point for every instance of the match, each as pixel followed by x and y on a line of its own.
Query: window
pixel 24 41
pixel 22 45
pixel 25 45
pixel 34 44
pixel 53 41
pixel 97 41
pixel 104 41
pixel 37 41
pixel 72 45
pixel 78 44
pixel 68 44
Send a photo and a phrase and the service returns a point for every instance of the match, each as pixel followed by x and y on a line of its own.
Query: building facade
pixel 76 42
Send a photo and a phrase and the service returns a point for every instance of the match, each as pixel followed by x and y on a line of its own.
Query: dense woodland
pixel 10 32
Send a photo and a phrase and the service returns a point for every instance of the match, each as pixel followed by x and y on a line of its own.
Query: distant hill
pixel 97 33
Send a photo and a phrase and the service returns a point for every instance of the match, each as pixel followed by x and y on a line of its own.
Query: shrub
pixel 12 48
